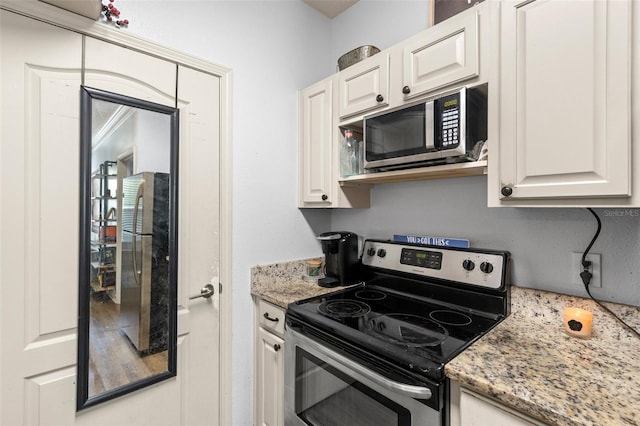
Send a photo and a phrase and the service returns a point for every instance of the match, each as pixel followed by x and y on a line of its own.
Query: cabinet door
pixel 314 162
pixel 269 404
pixel 479 411
pixel 565 90
pixel 446 54
pixel 364 86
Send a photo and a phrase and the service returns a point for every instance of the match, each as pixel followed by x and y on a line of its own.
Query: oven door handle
pixel 417 392
pixel 412 391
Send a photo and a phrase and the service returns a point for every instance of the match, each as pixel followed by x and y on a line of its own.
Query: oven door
pixel 325 388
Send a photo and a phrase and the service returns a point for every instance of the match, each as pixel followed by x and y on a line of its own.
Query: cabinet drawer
pixel 271 317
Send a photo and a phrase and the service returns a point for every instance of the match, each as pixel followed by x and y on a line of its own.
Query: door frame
pixel 53 15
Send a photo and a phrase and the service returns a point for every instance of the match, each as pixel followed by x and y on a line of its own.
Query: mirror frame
pixel 82 383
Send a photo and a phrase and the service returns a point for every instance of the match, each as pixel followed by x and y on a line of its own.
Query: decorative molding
pixel 61 18
pixel 88 8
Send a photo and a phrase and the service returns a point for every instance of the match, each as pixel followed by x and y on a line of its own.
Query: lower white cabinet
pixel 471 409
pixel 268 392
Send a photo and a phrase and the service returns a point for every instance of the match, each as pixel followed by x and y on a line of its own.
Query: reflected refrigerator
pixel 144 310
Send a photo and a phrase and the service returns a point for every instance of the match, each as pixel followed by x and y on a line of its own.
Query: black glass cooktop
pixel 417 332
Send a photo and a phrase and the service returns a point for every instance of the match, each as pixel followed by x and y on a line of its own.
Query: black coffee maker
pixel 342 266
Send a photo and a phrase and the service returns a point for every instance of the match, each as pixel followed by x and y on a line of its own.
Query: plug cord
pixel 586 276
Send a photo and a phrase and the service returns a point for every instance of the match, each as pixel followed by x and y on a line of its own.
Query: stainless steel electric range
pixel 374 353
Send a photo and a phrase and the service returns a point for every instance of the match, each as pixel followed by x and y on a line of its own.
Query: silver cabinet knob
pixel 205 292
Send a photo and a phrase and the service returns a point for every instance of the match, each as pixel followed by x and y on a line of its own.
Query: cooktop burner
pixel 371 295
pixel 407 330
pixel 450 317
pixel 344 308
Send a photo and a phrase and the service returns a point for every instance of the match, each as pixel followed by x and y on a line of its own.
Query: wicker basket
pixel 356 55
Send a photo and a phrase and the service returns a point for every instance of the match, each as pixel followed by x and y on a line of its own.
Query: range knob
pixel 468 265
pixel 486 267
pixel 371 251
pixel 382 252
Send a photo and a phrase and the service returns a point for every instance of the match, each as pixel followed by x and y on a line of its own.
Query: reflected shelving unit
pixel 103 226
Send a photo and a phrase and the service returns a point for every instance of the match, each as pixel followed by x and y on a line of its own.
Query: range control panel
pixel 482 268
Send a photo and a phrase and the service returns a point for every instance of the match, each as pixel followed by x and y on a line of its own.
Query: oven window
pixel 327 397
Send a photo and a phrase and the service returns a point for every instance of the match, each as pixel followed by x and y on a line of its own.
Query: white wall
pixel 274 48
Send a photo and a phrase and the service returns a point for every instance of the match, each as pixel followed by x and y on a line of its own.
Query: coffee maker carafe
pixel 341 258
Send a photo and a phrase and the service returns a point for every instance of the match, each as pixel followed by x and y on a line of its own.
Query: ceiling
pixel 330 8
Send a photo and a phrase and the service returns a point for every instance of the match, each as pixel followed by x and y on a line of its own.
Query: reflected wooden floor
pixel 113 361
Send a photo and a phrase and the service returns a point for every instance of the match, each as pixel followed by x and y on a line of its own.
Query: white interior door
pixel 41 71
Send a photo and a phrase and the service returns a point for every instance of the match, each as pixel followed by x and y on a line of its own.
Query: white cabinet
pixel 318 153
pixel 421 66
pixel 563 136
pixel 315 147
pixel 364 86
pixel 446 54
pixel 268 395
pixel 469 408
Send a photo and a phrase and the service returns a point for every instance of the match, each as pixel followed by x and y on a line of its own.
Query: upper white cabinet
pixel 562 132
pixel 424 65
pixel 446 54
pixel 364 86
pixel 314 144
pixel 318 154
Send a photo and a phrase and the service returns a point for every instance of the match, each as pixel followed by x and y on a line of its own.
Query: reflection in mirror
pixel 128 245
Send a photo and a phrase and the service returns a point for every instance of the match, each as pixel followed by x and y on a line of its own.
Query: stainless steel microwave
pixel 449 128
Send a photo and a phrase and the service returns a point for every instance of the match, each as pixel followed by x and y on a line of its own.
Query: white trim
pixel 55 16
pixel 117 120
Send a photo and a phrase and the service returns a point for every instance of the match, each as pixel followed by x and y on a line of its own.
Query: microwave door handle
pixel 429 126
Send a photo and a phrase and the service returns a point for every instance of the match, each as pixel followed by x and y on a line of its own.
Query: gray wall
pixel 540 240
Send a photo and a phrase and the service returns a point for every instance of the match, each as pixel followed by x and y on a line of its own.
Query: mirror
pixel 128 245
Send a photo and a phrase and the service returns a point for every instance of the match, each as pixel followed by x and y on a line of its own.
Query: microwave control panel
pixel 448 116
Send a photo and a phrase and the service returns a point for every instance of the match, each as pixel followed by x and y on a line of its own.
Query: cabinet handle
pixel 276 347
pixel 406 90
pixel 324 197
pixel 506 191
pixel 379 98
pixel 267 317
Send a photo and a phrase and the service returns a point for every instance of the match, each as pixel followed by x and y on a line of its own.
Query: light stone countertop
pixel 282 283
pixel 527 362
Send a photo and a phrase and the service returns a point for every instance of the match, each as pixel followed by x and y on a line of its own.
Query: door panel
pixel 127 72
pixel 39 217
pixel 199 241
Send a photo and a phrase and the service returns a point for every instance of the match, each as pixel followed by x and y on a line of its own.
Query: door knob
pixel 205 292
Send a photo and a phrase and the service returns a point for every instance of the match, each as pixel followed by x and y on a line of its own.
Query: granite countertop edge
pixel 528 362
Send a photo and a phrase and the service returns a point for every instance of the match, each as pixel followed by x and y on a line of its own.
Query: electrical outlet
pixel 595 269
